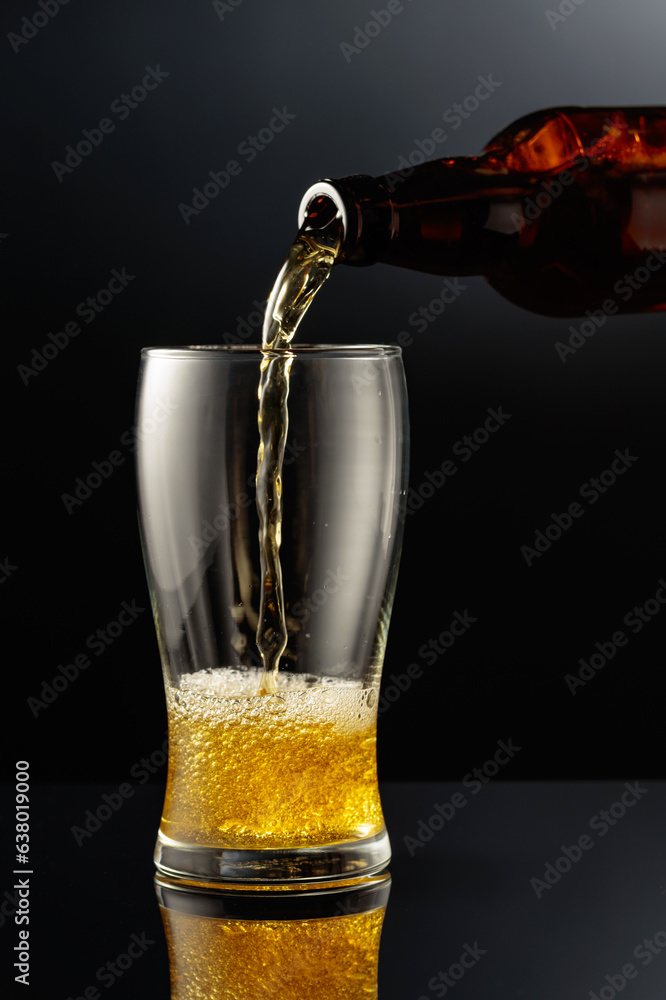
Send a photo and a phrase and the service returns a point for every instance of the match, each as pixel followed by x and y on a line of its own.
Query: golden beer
pixel 293 769
pixel 330 958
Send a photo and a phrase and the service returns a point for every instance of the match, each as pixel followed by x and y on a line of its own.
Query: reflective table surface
pixel 503 890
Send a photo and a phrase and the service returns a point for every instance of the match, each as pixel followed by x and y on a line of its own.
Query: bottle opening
pixel 322 206
pixel 320 213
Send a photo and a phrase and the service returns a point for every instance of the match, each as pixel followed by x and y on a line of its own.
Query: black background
pixel 120 209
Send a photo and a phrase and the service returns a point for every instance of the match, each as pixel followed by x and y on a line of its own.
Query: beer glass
pixel 272 786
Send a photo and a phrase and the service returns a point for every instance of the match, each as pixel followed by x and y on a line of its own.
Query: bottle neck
pixel 363 206
pixel 457 216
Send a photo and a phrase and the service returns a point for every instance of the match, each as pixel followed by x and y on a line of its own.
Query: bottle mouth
pixel 361 205
pixel 322 206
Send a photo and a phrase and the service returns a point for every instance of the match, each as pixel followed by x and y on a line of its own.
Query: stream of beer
pixel 305 269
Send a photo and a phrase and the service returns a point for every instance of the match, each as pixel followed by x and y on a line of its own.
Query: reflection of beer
pixel 332 957
pixel 295 769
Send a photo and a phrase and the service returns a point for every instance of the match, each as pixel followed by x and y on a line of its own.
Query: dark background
pixel 70 572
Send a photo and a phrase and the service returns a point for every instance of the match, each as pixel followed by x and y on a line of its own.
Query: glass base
pixel 351 859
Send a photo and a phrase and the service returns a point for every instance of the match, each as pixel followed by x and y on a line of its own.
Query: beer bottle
pixel 563 212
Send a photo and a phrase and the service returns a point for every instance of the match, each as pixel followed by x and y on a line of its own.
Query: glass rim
pixel 208 351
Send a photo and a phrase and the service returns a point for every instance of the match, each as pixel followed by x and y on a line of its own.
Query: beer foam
pixel 228 696
pixel 230 682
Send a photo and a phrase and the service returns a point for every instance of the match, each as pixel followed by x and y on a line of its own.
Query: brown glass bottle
pixel 565 211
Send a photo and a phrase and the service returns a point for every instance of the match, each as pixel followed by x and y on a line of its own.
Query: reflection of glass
pixel 286 944
pixel 280 786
